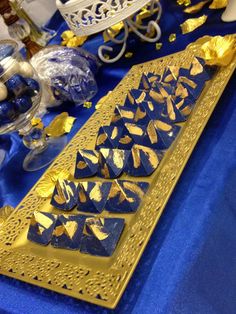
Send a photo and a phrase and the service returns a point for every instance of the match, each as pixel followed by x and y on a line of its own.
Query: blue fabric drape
pixel 189 263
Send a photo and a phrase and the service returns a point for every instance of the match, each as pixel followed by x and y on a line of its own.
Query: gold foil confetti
pixel 71 40
pixel 218 4
pixel 172 37
pixel 60 125
pixel 158 46
pixel 129 55
pixel 46 186
pixel 219 50
pixel 102 100
pixel 113 31
pixel 37 122
pixel 87 104
pixel 191 24
pixel 184 2
pixel 196 8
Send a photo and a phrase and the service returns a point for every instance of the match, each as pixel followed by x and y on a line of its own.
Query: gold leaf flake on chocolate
pixel 105 171
pixel 90 157
pixel 118 190
pixel 156 96
pixel 96 226
pixel 136 157
pixel 197 68
pixel 101 139
pixel 96 193
pixel 141 98
pixel 218 4
pixel 168 78
pixel 62 197
pixel 191 24
pixel 133 187
pixel 186 111
pixel 134 129
pixel 181 91
pixel 150 105
pixel 125 140
pixel 40 218
pixel 105 152
pixel 82 196
pixel 179 104
pixel 114 133
pixel 131 99
pixel 162 126
pixel 81 165
pixel 152 134
pixel 69 229
pixel 188 81
pixel 127 114
pixel 139 115
pixel 152 156
pixel 170 109
pixel 118 158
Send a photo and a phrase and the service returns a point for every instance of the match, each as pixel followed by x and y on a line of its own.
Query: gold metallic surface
pixel 60 125
pixel 73 272
pixel 218 4
pixel 196 8
pixel 191 24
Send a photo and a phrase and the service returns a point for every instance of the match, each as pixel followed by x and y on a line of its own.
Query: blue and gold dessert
pixel 145 83
pixel 122 115
pixel 112 162
pixel 86 163
pixel 65 195
pixel 125 196
pixel 68 232
pixel 166 132
pixel 172 73
pixel 184 105
pixel 92 196
pixel 41 227
pixel 108 136
pixel 170 113
pixel 200 71
pixel 101 235
pixel 142 161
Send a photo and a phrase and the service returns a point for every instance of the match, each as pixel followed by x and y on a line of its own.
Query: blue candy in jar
pixel 23 103
pixel 17 85
pixel 32 84
pixel 8 112
pixel 6 51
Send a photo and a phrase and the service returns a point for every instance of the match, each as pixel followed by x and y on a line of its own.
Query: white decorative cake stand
pixel 86 17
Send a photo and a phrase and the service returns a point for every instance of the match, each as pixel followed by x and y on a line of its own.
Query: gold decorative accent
pixel 172 38
pixel 60 125
pixel 103 282
pixel 69 39
pixel 191 24
pixel 196 8
pixel 219 50
pixel 218 4
pixel 158 46
pixel 5 211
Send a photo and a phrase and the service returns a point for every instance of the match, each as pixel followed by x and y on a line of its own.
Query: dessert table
pixel 189 263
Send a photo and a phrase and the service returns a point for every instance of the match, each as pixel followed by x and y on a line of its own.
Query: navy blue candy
pixel 17 84
pixel 7 112
pixel 33 84
pixel 6 51
pixel 23 103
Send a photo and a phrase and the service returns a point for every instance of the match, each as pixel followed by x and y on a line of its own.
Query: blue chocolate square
pixel 65 195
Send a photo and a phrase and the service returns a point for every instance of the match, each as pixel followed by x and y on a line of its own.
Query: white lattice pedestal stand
pixel 86 17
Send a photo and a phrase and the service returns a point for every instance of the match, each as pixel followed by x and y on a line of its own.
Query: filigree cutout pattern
pixel 99 286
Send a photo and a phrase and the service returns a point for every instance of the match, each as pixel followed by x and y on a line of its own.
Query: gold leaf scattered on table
pixel 172 38
pixel 145 13
pixel 184 2
pixel 102 100
pixel 191 24
pixel 218 4
pixel 219 50
pixel 47 184
pixel 5 212
pixel 60 125
pixel 196 8
pixel 113 31
pixel 37 122
pixel 71 40
pixel 158 46
pixel 128 55
pixel 87 104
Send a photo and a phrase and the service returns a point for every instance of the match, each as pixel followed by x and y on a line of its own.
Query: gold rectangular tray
pixel 94 279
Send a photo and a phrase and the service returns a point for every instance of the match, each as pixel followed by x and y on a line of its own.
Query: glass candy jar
pixel 20 96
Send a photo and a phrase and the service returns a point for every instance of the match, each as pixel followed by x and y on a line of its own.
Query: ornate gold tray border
pixel 99 286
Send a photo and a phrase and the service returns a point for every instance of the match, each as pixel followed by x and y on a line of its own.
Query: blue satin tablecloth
pixel 189 265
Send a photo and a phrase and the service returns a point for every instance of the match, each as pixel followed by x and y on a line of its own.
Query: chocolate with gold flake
pixel 153 77
pixel 112 162
pixel 145 83
pixel 122 115
pixel 68 231
pixel 172 73
pixel 41 227
pixel 194 87
pixel 166 132
pixel 86 163
pixel 200 70
pixel 142 161
pixel 92 196
pixel 65 195
pixel 171 113
pixel 101 235
pixel 184 105
pixel 108 136
pixel 125 196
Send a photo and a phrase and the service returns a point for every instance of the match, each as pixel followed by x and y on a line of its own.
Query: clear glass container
pixel 20 96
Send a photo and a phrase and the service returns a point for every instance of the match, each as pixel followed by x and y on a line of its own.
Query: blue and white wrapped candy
pixel 67 74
